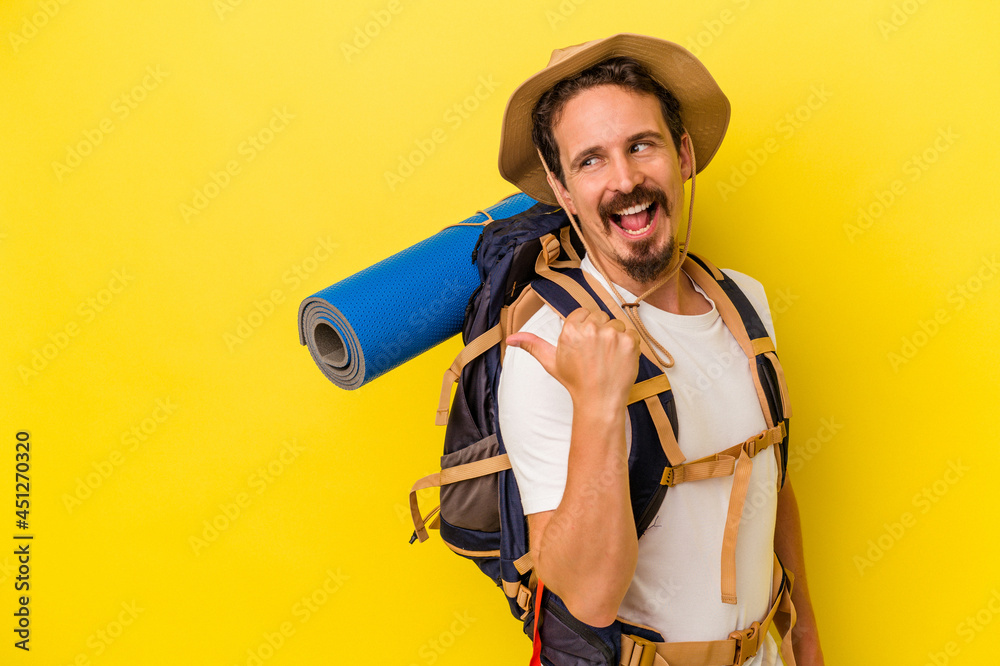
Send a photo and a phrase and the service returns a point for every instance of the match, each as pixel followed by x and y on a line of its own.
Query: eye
pixel 639 147
pixel 588 162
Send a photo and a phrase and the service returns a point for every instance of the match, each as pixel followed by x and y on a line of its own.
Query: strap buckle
pixel 757 443
pixel 747 643
pixel 643 652
pixel 668 477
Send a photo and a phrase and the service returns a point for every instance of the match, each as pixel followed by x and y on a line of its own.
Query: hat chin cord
pixel 632 309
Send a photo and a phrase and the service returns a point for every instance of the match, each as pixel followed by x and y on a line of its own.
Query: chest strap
pixel 724 464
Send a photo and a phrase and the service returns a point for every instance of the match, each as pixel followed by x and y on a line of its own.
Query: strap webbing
pixel 648 388
pixel 524 564
pixel 454 474
pixel 475 469
pixel 782 386
pixel 564 239
pixel 491 337
pixel 568 284
pixel 741 482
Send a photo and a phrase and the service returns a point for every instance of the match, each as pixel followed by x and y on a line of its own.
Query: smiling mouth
pixel 635 220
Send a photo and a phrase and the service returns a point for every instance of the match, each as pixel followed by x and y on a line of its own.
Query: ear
pixel 562 194
pixel 686 157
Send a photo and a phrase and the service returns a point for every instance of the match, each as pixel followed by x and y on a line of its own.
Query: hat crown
pixel 561 54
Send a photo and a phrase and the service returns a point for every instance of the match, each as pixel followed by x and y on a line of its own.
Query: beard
pixel 646 262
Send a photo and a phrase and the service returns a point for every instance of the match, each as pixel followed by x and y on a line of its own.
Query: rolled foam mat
pixel 375 320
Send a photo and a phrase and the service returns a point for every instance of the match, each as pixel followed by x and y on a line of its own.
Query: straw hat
pixel 704 108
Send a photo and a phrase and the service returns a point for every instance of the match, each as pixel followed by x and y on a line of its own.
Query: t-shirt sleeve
pixel 754 291
pixel 536 420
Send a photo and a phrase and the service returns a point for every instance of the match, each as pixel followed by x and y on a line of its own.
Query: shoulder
pixel 754 291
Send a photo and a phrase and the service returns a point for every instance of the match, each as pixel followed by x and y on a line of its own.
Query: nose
pixel 624 174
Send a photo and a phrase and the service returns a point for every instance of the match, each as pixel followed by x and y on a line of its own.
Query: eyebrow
pixel 647 134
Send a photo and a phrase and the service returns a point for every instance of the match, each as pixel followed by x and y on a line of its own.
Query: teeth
pixel 635 209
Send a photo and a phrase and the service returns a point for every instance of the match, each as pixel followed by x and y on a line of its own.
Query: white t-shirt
pixel 677 584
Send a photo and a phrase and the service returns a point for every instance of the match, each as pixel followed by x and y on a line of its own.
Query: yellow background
pixel 869 85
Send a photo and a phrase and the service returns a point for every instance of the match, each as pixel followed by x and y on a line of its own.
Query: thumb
pixel 542 351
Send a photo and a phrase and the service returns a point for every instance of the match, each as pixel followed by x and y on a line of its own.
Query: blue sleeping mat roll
pixel 381 317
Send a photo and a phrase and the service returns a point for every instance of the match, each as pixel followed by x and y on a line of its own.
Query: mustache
pixel 639 195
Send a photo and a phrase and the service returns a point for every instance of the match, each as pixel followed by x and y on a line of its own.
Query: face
pixel 624 180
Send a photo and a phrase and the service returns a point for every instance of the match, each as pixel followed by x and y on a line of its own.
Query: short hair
pixel 623 72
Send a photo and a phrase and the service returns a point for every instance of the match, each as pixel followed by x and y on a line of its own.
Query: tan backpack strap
pixel 475 469
pixel 485 341
pixel 518 591
pixel 786 404
pixel 454 474
pixel 734 322
pixel 543 266
pixel 741 482
pixel 648 388
pixel 765 346
pixel 664 430
pixel 567 244
pixel 420 522
pixel 514 316
pixel 722 463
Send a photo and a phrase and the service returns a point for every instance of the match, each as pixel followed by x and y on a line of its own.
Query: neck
pixel 677 295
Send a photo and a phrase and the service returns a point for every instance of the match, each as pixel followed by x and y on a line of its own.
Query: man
pixel 622 124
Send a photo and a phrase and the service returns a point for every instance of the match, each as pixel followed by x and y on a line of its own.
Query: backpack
pixel 525 260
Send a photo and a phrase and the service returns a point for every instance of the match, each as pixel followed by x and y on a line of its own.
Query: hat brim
pixel 704 108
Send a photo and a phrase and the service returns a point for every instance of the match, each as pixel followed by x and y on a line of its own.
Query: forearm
pixel 587 550
pixel 788 546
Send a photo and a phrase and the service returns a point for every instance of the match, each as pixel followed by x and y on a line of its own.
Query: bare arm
pixel 788 546
pixel 586 549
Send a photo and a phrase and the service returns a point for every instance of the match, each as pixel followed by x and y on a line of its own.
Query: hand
pixel 595 358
